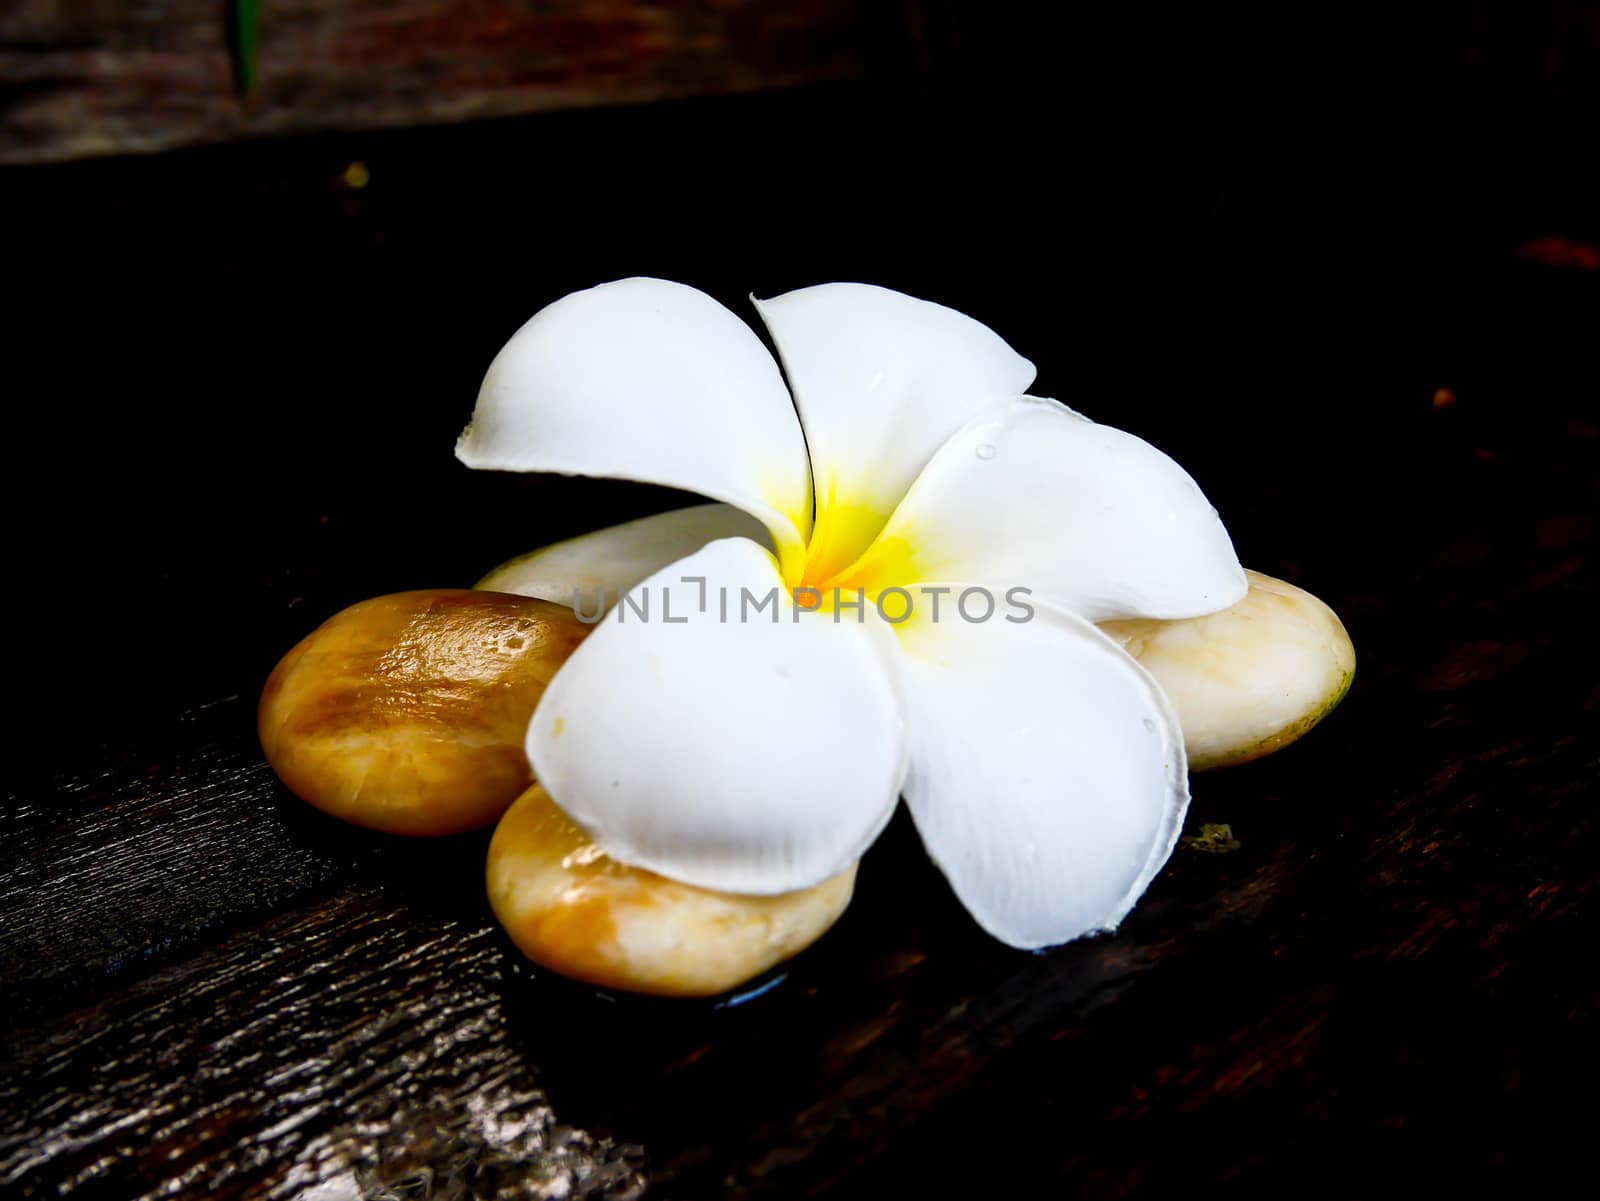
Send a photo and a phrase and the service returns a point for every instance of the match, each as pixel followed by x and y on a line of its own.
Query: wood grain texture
pixel 178 844
pixel 110 78
pixel 375 1049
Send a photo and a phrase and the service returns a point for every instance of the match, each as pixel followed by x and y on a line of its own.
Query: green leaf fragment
pixel 243 24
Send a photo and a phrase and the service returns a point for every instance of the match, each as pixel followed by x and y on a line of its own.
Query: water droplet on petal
pixel 1149 726
pixel 986 450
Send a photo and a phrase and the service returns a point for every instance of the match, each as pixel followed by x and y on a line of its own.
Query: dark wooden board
pixel 107 78
pixel 1383 989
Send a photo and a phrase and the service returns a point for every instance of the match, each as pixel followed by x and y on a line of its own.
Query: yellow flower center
pixel 849 553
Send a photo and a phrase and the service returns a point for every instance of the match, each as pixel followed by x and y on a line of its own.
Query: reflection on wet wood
pixel 346 1046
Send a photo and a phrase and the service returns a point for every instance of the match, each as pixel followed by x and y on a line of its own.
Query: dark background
pixel 1338 262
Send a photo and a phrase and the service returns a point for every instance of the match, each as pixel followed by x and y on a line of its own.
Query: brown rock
pixel 577 912
pixel 407 713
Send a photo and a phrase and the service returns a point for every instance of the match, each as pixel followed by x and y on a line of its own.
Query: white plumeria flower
pixel 1042 765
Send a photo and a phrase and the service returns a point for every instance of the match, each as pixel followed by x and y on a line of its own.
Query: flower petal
pixel 1090 518
pixel 758 754
pixel 1047 774
pixel 647 380
pixel 592 571
pixel 881 380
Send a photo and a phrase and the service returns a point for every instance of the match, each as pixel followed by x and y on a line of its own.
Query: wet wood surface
pixel 1376 984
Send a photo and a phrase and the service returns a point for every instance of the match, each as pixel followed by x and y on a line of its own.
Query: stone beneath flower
pixel 1250 679
pixel 407 713
pixel 570 908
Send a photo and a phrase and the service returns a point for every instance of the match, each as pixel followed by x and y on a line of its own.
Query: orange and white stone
pixel 572 909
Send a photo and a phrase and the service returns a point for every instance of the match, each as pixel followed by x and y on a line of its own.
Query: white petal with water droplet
pixel 1088 517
